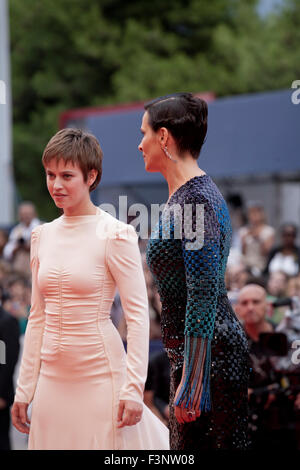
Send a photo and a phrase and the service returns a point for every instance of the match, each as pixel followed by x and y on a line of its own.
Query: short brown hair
pixel 78 147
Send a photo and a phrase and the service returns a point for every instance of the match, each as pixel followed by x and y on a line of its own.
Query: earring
pixel 168 154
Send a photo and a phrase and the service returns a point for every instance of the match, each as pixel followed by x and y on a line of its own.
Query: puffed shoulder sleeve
pixel 125 264
pixel 30 363
pixel 202 261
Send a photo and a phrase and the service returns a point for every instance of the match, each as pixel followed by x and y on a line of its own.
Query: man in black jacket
pixel 272 415
pixel 9 353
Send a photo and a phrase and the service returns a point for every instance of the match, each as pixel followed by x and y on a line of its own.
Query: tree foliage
pixel 71 53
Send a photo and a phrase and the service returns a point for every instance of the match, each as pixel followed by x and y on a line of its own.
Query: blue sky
pixel 266 6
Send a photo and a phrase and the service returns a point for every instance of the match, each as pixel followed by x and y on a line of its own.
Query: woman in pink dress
pixel 86 392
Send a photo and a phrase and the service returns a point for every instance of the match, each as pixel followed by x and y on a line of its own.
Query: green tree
pixel 71 53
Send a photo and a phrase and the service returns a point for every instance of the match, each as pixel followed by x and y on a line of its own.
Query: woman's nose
pixel 57 184
pixel 140 147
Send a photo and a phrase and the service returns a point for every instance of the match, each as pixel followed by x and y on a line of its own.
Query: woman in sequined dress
pixel 187 254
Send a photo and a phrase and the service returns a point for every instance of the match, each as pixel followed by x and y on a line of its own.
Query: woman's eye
pixel 65 176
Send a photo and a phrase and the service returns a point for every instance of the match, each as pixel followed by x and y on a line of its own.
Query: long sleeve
pixel 202 274
pixel 30 363
pixel 125 264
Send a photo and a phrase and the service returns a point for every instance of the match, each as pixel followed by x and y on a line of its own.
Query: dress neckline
pixel 186 184
pixel 75 219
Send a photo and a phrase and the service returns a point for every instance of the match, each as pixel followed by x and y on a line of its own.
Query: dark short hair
pixel 289 225
pixel 184 115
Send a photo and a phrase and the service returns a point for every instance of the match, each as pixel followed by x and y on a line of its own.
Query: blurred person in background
pixel 277 284
pixel 5 271
pixel 17 301
pixel 293 287
pixel 252 307
pixel 257 239
pixel 3 241
pixel 236 277
pixel 238 220
pixel 276 290
pixel 10 346
pixel 17 249
pixel 286 256
pixel 271 414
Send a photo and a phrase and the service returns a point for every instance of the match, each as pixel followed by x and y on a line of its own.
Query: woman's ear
pixel 92 176
pixel 163 135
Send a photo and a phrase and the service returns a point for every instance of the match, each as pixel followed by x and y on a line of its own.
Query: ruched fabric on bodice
pixel 78 295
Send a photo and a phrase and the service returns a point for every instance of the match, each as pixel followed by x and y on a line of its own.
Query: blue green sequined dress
pixel 205 342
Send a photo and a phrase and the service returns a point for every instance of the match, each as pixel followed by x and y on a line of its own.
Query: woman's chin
pixel 150 169
pixel 59 204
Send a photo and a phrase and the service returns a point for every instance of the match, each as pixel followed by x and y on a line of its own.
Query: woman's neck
pixel 177 174
pixel 83 209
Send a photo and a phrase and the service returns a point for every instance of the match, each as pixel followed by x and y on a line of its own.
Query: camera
pixel 273 344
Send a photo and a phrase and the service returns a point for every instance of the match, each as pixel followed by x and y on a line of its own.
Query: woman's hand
pixel 182 414
pixel 129 413
pixel 19 417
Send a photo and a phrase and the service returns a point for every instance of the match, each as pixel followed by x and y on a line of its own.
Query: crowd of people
pixel 263 284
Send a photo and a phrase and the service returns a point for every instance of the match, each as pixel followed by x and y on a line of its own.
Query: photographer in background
pixel 17 249
pixel 271 410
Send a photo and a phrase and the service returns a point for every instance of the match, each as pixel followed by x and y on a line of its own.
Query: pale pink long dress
pixel 74 367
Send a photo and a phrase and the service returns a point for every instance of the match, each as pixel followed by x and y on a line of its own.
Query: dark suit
pixel 9 337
